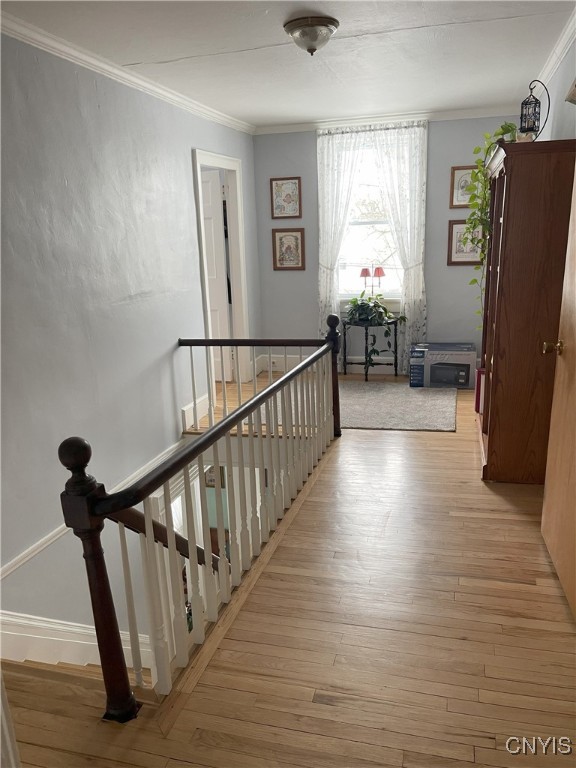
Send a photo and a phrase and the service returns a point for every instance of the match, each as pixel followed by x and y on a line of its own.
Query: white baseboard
pixel 35 638
pixel 278 361
pixel 187 412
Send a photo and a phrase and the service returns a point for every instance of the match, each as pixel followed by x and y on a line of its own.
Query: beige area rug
pixel 395 405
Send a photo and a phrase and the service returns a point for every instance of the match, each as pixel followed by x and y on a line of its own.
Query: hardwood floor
pixel 404 614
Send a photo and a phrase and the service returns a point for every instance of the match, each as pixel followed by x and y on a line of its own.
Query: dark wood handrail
pixel 102 506
pixel 135 521
pixel 251 342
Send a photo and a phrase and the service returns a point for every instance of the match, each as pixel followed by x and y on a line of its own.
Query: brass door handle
pixel 549 346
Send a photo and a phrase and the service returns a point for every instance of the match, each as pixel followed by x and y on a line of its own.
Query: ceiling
pixel 386 59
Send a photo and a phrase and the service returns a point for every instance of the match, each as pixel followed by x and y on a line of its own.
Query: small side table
pixel 345 363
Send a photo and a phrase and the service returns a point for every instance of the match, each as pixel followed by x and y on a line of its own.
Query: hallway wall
pixel 100 276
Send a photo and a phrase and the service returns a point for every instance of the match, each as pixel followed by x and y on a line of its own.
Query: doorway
pixel 222 270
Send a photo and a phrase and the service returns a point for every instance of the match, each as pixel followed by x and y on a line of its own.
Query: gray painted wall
pixel 100 276
pixel 562 120
pixel 289 299
pixel 451 301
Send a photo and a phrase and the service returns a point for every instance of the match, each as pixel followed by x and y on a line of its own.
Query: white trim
pixel 459 114
pixel 187 412
pixel 278 361
pixel 32 551
pixel 27 33
pixel 559 52
pixel 35 638
pixel 50 538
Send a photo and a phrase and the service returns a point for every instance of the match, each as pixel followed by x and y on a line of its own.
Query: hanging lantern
pixel 530 112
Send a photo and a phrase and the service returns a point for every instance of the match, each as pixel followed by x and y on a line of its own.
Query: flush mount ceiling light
pixel 311 32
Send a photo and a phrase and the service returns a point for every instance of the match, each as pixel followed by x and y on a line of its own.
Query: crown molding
pixel 27 33
pixel 559 52
pixel 460 114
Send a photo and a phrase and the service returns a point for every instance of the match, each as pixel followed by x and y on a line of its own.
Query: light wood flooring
pixel 404 614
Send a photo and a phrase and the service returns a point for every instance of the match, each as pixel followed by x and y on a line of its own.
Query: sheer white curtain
pixel 400 151
pixel 337 162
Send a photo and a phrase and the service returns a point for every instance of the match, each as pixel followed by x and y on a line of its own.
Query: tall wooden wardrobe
pixel 530 214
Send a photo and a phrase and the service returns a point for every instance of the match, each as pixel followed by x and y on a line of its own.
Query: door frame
pixel 235 215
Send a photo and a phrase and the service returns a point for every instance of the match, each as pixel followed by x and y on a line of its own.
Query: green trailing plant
pixel 371 311
pixel 478 229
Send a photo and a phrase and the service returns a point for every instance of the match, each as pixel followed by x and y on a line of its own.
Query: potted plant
pixel 478 228
pixel 371 311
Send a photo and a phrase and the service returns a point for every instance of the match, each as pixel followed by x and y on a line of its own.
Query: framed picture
pixel 460 253
pixel 459 180
pixel 210 477
pixel 288 248
pixel 285 198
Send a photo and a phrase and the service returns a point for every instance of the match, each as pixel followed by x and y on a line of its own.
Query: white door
pixel 216 268
pixel 559 512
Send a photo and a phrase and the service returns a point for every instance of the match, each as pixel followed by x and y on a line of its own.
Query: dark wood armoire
pixel 530 214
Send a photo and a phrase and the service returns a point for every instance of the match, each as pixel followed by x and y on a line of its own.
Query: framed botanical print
pixel 459 252
pixel 286 198
pixel 459 179
pixel 288 249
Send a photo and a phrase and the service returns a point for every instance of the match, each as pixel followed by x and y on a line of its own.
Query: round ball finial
pixel 74 453
pixel 333 321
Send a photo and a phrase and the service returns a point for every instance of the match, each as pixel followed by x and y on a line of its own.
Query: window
pixel 368 240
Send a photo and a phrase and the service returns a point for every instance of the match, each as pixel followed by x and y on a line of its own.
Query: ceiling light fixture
pixel 311 32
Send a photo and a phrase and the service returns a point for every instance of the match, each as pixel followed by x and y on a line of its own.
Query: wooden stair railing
pixel 86 504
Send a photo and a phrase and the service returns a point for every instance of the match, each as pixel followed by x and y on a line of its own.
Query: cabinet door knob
pixel 549 346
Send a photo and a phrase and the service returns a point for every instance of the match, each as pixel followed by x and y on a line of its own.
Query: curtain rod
pixel 372 128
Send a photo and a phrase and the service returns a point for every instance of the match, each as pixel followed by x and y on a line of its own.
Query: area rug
pixel 395 405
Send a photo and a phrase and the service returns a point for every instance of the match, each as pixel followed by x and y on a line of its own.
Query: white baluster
pixel 271 484
pixel 270 365
pixel 130 608
pixel 254 374
pixel 330 405
pixel 278 476
pixel 308 409
pixel 165 600
pixel 158 637
pixel 176 585
pixel 254 519
pixel 264 523
pixel 236 569
pixel 313 415
pixel 223 566
pixel 327 399
pixel 242 501
pixel 298 435
pixel 291 437
pixel 196 421
pixel 286 443
pixel 223 379
pixel 210 592
pixel 316 387
pixel 193 580
pixel 210 380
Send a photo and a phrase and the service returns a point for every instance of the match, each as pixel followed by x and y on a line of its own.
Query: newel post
pixel 77 501
pixel 333 336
